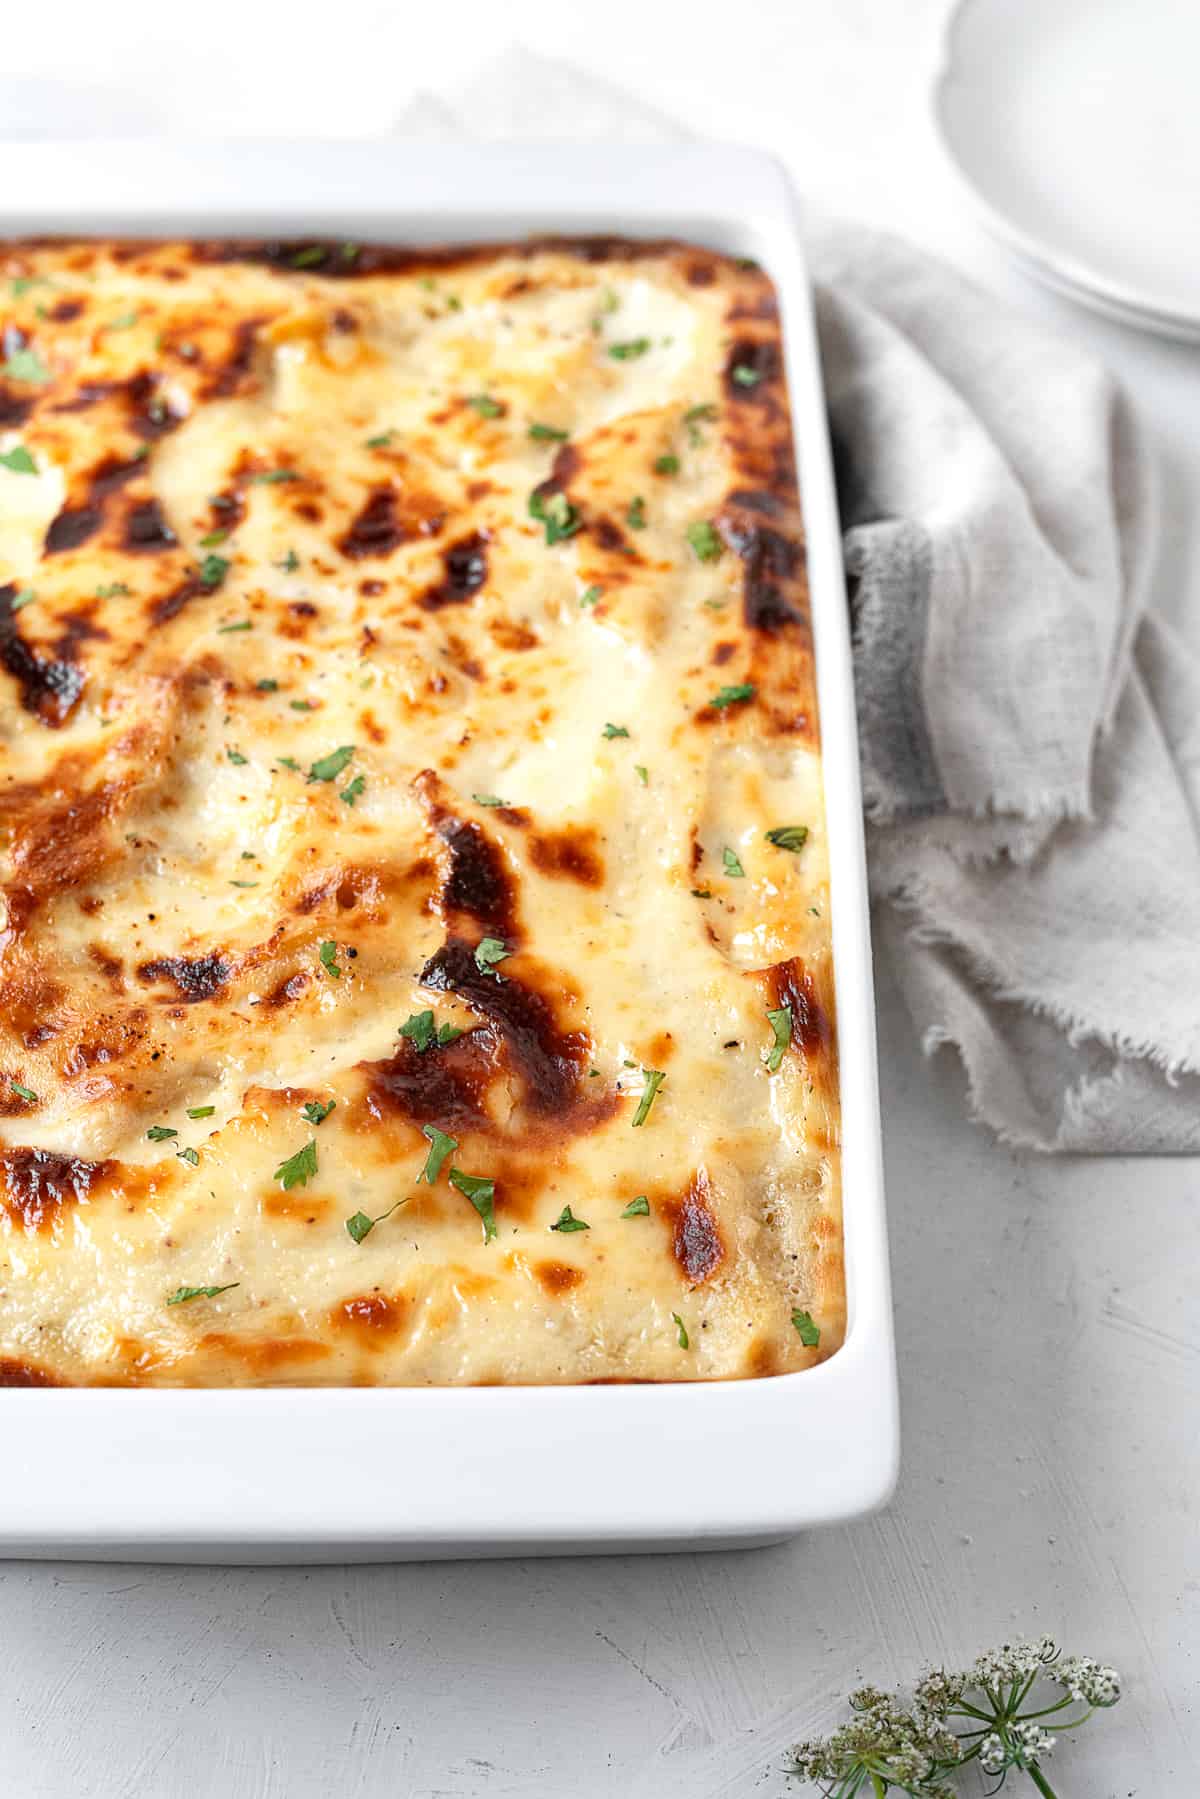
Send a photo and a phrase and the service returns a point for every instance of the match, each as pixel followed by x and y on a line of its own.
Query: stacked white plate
pixel 1075 125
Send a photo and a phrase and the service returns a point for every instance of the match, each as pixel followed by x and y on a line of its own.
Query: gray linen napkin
pixel 1030 734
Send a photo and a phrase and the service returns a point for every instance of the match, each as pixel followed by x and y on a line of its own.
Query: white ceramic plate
pixel 1076 126
pixel 326 1474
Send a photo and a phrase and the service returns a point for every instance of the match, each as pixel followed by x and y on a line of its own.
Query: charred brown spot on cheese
pixel 194 978
pixel 299 1206
pixel 609 536
pixel 558 1277
pixel 774 590
pixel 377 530
pixel 39 1183
pixel 723 653
pixel 263 1357
pixel 286 991
pixel 233 372
pixel 50 686
pixel 571 854
pixel 14 1373
pixel 171 604
pixel 448 1087
pixel 549 1060
pixel 371 1318
pixel 146 530
pixel 63 311
pixel 695 1238
pixel 466 571
pixel 85 511
pixel 14 408
pixel 791 984
pixel 762 1358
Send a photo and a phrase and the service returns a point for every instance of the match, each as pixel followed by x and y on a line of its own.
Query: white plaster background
pixel 1049 1332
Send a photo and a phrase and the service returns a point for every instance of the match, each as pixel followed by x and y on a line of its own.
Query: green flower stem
pixel 1040 1782
pixel 880 1789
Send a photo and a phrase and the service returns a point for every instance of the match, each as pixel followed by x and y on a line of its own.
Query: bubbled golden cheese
pixel 383 633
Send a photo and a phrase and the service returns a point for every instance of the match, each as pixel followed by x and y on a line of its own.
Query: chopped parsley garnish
pixel 303 705
pixel 25 364
pixel 733 866
pixel 654 1078
pixel 350 793
pixel 241 624
pixel 566 1221
pixel 200 1111
pixel 682 1337
pixel 316 1112
pixel 548 434
pixel 732 696
pixel 328 768
pixel 556 513
pixel 299 1169
pixel 159 1133
pixel 289 762
pixel 181 1295
pixel 328 956
pixel 26 597
pixel 488 799
pixel 361 1226
pixel 213 570
pixel 635 513
pixel 269 476
pixel 305 259
pixel 267 685
pixel 704 540
pixel 489 951
pixel 190 1156
pixel 440 1148
pixel 481 1192
pixel 591 596
pixel 695 416
pixel 21 284
pixel 290 563
pixel 381 441
pixel 637 1208
pixel 666 465
pixel 615 731
pixel 745 376
pixel 423 1034
pixel 633 346
pixel 642 773
pixel 701 892
pixel 18 460
pixel 485 406
pixel 25 1093
pixel 789 837
pixel 114 590
pixel 810 1333
pixel 123 323
pixel 781 1024
pixel 237 758
pixel 243 883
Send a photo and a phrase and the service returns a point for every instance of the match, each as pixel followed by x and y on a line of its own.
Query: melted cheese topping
pixel 304 700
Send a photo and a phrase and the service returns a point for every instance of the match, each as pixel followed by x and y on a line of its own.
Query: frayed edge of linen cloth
pixel 1029 735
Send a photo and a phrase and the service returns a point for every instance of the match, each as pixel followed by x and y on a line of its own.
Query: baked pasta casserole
pixel 414 943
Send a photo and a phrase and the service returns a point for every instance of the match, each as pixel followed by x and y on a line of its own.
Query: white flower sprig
pixel 921 1751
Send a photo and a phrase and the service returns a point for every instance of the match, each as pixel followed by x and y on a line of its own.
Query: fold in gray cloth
pixel 1030 735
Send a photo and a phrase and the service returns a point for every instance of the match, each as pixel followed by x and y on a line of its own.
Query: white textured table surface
pixel 1048 1325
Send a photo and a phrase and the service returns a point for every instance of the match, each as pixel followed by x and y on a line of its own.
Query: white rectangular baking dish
pixel 336 1475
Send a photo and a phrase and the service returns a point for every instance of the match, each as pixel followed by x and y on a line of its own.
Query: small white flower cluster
pixel 906 1749
pixel 1087 1680
pixel 1011 1662
pixel 1021 1744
